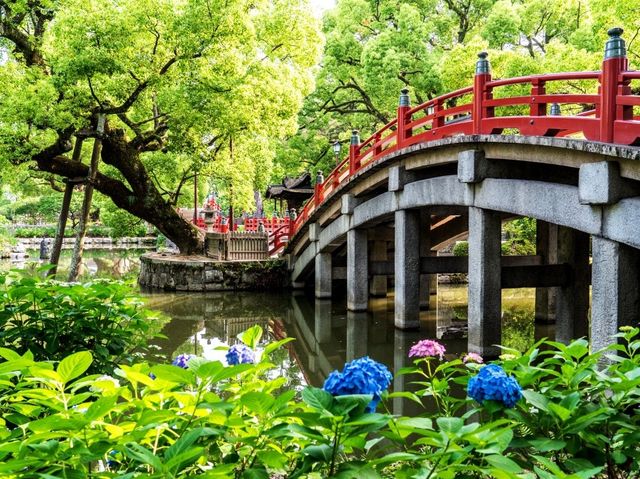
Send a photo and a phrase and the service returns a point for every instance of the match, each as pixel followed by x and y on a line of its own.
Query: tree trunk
pixel 78 248
pixel 64 214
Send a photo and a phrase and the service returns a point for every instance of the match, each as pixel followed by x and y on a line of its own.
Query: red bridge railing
pixel 530 105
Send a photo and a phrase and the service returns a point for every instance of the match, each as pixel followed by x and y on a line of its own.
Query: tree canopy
pixel 184 85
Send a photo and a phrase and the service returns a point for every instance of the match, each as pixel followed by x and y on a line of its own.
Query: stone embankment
pixel 172 272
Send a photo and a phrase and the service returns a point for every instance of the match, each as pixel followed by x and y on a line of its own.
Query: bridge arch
pixel 587 189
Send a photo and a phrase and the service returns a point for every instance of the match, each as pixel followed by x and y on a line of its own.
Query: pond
pixel 326 334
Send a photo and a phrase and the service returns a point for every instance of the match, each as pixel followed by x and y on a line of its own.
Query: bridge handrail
pixel 609 120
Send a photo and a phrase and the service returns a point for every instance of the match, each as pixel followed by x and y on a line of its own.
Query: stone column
pixel 357 334
pixel 615 299
pixel 547 249
pixel 407 269
pixel 572 301
pixel 322 321
pixel 357 270
pixel 485 322
pixel 428 282
pixel 323 275
pixel 378 285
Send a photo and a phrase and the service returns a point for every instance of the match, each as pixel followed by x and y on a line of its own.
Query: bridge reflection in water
pixel 327 335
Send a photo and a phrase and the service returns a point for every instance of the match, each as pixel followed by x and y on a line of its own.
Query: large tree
pixel 179 82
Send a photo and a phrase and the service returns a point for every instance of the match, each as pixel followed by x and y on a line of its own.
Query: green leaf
pixel 141 454
pixel 101 407
pixel 271 347
pixel 168 372
pixel 502 462
pixel 317 398
pixel 258 402
pixel 251 337
pixel 536 399
pixel 322 452
pixel 73 366
pixel 450 424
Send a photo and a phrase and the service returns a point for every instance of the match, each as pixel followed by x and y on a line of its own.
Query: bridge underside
pixel 392 219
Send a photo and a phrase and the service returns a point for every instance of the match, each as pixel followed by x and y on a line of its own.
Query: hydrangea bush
pixel 556 411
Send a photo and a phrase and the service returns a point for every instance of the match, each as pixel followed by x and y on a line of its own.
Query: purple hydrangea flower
pixel 240 354
pixel 427 348
pixel 360 376
pixel 182 361
pixel 493 383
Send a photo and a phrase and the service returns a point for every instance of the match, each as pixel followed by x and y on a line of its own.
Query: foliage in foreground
pixel 52 319
pixel 576 420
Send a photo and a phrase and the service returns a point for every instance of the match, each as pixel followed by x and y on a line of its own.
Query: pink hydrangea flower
pixel 472 358
pixel 427 348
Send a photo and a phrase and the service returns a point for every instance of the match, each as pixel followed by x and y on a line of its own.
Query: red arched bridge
pixel 460 164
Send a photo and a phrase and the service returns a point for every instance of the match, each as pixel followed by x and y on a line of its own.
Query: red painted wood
pixel 610 118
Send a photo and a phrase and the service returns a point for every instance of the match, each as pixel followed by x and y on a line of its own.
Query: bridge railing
pixel 490 107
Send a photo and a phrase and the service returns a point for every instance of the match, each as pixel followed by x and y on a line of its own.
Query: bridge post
pixel 615 299
pixel 615 61
pixel 354 151
pixel 404 106
pixel 572 301
pixel 425 252
pixel 482 77
pixel 357 270
pixel 318 189
pixel 407 269
pixel 547 249
pixel 378 285
pixel 485 321
pixel 323 275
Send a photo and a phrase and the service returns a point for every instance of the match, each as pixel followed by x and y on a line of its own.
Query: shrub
pixel 53 319
pixel 576 418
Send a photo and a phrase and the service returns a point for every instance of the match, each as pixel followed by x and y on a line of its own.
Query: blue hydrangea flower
pixel 240 354
pixel 182 361
pixel 360 376
pixel 493 383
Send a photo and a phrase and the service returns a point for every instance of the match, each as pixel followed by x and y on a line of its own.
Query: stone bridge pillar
pixel 615 297
pixel 485 322
pixel 378 287
pixel 572 300
pixel 428 282
pixel 547 249
pixel 407 269
pixel 357 270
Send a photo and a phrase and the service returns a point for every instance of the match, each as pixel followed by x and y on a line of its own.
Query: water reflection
pixel 326 334
pixel 100 263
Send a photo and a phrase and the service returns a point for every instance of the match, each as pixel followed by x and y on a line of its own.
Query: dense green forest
pixel 237 94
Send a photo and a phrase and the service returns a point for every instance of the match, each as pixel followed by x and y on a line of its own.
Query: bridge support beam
pixel 485 322
pixel 547 250
pixel 407 269
pixel 357 270
pixel 428 282
pixel 323 275
pixel 378 287
pixel 572 301
pixel 616 290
